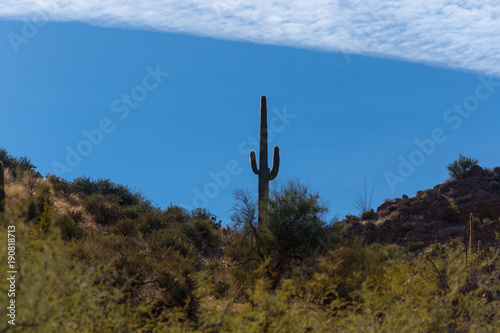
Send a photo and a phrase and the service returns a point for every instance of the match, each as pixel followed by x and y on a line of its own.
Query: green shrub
pixel 176 214
pixel 37 201
pixel 88 186
pixel 205 215
pixel 293 232
pixel 161 239
pixel 451 213
pixel 427 293
pixel 126 227
pixel 355 265
pixel 459 168
pixel 17 165
pixel 59 184
pixel 57 293
pixel 69 229
pixel 201 234
pixel 177 284
pixel 152 219
pixel 104 208
pixel 351 218
pixel 403 205
pixel 464 199
pixel 43 223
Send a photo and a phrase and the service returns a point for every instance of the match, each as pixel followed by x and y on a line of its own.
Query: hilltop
pixel 439 214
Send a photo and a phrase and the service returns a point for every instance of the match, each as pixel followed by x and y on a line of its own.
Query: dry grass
pixel 15 194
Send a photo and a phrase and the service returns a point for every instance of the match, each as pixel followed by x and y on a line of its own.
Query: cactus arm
pixel 276 163
pixel 253 162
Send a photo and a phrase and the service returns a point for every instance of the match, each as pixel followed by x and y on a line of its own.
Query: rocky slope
pixel 436 215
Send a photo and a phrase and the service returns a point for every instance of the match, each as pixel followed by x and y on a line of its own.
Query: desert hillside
pixel 439 214
pixel 91 255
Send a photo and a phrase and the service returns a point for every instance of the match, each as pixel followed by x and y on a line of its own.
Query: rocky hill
pixel 436 215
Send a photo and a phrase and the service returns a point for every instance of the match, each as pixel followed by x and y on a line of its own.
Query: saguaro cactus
pixel 263 171
pixel 2 190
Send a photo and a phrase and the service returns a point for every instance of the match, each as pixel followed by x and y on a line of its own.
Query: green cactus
pixel 2 190
pixel 264 172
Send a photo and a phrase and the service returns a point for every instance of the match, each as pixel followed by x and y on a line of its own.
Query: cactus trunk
pixel 2 189
pixel 263 171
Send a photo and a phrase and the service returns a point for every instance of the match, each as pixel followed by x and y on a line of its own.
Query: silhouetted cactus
pixel 2 189
pixel 264 172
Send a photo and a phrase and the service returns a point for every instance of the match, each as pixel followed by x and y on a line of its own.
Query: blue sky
pixel 167 100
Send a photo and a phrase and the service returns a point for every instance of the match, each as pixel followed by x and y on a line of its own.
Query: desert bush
pixel 293 230
pixel 59 184
pixel 200 228
pixel 37 201
pixel 464 199
pixel 161 239
pixel 42 224
pixel 494 186
pixel 76 216
pixel 403 205
pixel 17 165
pixel 451 213
pixel 88 186
pixel 152 219
pixel 369 215
pixel 356 264
pixel 69 228
pixel 204 214
pixel 459 168
pixel 104 208
pixel 126 227
pixel 351 218
pixel 176 214
pixel 58 294
pixel 176 281
pixel 201 234
pixel 422 194
pixel 369 225
pixel 427 293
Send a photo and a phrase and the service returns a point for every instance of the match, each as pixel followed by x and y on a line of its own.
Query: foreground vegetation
pixel 94 256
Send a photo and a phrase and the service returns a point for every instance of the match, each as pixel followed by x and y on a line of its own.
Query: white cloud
pixel 460 34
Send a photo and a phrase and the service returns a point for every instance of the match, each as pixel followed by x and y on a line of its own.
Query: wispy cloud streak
pixel 460 34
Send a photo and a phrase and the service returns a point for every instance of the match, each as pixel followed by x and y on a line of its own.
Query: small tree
pixel 294 230
pixel 459 168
